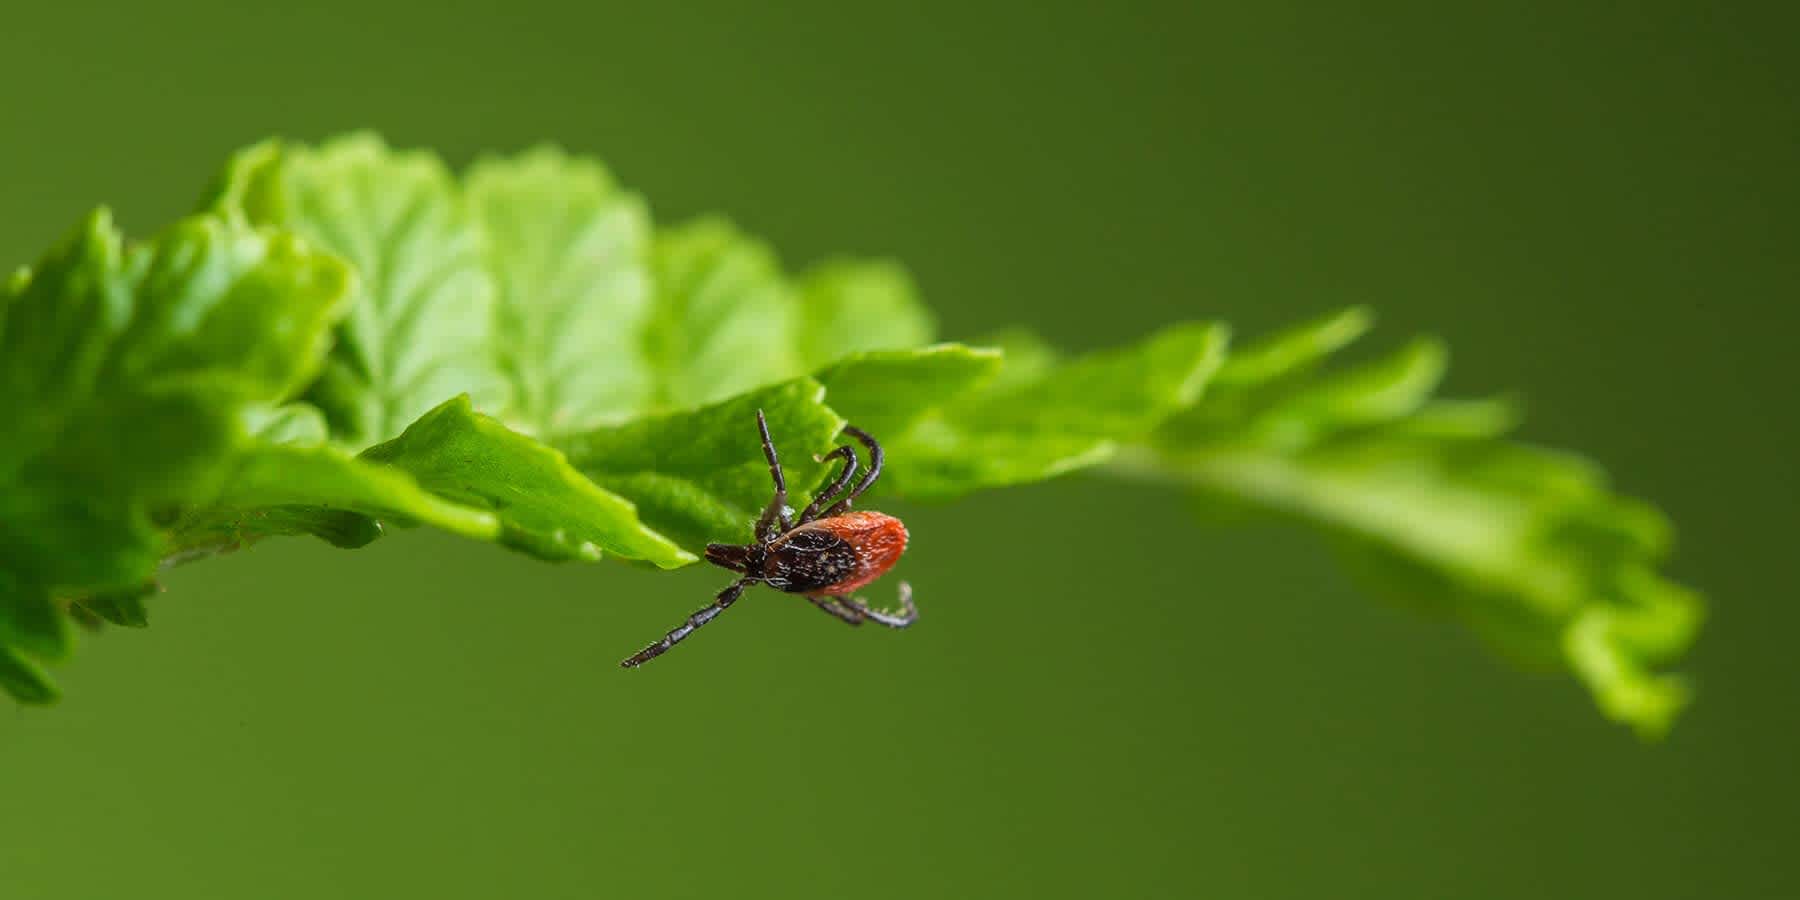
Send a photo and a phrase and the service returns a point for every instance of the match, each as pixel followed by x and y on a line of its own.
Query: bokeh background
pixel 1593 202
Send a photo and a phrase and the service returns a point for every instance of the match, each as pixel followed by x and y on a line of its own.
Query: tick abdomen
pixel 834 555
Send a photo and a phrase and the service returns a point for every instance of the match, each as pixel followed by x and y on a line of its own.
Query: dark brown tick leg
pixel 839 610
pixel 700 617
pixel 868 479
pixel 776 512
pixel 812 509
pixel 907 615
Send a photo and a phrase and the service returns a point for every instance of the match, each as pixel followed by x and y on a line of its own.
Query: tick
pixel 826 555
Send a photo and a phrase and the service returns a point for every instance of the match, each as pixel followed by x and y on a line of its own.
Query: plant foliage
pixel 347 337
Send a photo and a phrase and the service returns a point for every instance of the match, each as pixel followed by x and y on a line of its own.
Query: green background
pixel 1595 207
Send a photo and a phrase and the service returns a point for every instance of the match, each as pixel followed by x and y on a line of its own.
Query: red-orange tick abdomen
pixel 877 540
pixel 834 555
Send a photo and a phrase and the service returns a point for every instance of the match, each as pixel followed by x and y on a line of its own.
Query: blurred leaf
pixel 1055 419
pixel 1293 351
pixel 124 608
pixel 1028 357
pixel 294 423
pixel 24 680
pixel 570 254
pixel 850 307
pixel 1528 546
pixel 29 621
pixel 887 391
pixel 725 320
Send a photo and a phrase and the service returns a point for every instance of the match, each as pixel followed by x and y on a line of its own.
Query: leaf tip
pixel 25 681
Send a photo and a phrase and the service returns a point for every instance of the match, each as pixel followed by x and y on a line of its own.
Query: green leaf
pixel 423 327
pixel 850 307
pixel 1286 412
pixel 124 608
pixel 1527 546
pixel 322 491
pixel 595 323
pixel 130 375
pixel 570 254
pixel 888 391
pixel 725 320
pixel 1028 358
pixel 210 388
pixel 538 288
pixel 294 423
pixel 1294 351
pixel 29 620
pixel 544 506
pixel 24 680
pixel 1059 418
pixel 699 476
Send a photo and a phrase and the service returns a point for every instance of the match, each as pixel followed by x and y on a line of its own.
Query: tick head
pixel 729 556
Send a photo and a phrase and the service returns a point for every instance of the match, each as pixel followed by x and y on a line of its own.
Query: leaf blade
pixel 851 307
pixel 286 489
pixel 888 391
pixel 1067 416
pixel 1528 547
pixel 699 475
pixel 543 505
pixel 725 318
pixel 132 372
pixel 570 254
pixel 422 326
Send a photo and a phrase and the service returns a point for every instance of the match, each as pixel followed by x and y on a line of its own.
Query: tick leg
pixel 700 617
pixel 823 497
pixel 850 615
pixel 907 615
pixel 777 509
pixel 868 479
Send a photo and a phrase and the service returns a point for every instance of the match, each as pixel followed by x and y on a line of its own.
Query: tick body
pixel 826 555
